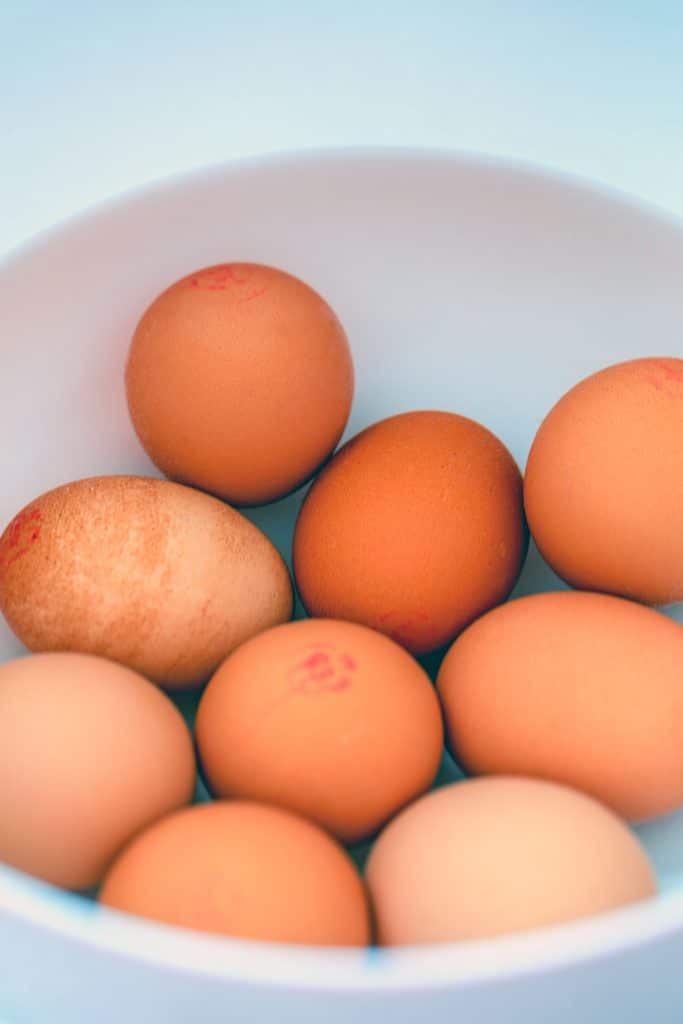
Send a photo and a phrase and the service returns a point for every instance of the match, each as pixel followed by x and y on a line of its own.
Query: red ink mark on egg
pixel 318 665
pixel 664 375
pixel 20 535
pixel 401 628
pixel 254 295
pixel 321 669
pixel 226 278
pixel 218 279
pixel 672 371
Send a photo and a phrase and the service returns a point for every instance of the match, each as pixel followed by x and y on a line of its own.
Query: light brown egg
pixel 414 528
pixel 326 718
pixel 239 381
pixel 576 687
pixel 491 856
pixel 157 576
pixel 91 754
pixel 246 870
pixel 604 482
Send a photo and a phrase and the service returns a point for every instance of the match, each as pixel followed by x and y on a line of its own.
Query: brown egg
pixel 490 856
pixel 157 576
pixel 326 718
pixel 239 381
pixel 604 482
pixel 415 528
pixel 91 754
pixel 576 687
pixel 246 870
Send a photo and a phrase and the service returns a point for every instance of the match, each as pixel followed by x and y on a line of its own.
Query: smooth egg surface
pixel 491 856
pixel 327 718
pixel 91 754
pixel 239 381
pixel 603 487
pixel 576 687
pixel 242 869
pixel 414 528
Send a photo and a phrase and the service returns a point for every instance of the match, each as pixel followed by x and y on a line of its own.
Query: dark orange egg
pixel 414 528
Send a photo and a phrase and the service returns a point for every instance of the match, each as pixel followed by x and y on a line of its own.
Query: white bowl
pixel 464 283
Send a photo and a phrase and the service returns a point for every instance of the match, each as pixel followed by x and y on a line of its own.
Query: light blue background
pixel 97 98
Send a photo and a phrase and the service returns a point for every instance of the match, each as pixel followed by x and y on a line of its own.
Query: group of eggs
pixel 564 708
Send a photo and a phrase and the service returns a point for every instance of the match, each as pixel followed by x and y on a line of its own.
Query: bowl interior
pixel 463 284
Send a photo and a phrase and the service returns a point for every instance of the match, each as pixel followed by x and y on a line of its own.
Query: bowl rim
pixel 180 180
pixel 297 967
pixel 407 968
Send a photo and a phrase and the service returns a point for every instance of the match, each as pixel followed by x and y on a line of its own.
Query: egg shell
pixel 239 381
pixel 151 574
pixel 581 688
pixel 491 856
pixel 242 869
pixel 414 528
pixel 326 718
pixel 603 486
pixel 91 754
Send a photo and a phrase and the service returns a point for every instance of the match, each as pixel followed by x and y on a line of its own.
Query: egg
pixel 149 573
pixel 576 687
pixel 329 719
pixel 239 381
pixel 603 486
pixel 91 754
pixel 414 528
pixel 491 856
pixel 242 869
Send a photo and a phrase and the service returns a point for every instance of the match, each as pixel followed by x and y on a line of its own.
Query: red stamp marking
pixel 401 628
pixel 227 278
pixel 254 295
pixel 217 279
pixel 321 668
pixel 665 374
pixel 20 536
pixel 671 370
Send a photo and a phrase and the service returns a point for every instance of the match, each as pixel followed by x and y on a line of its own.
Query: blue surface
pixel 97 98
